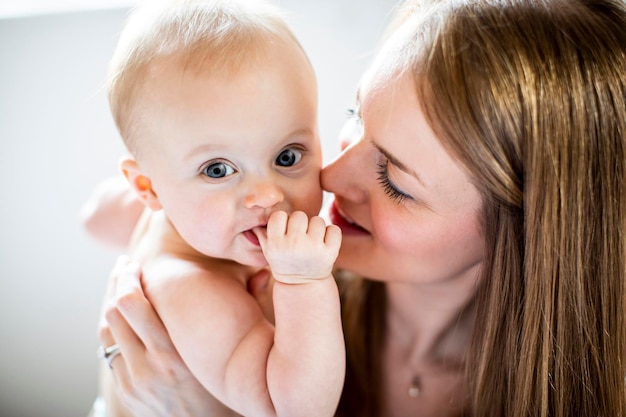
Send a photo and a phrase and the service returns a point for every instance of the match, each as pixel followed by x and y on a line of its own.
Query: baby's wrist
pixel 293 279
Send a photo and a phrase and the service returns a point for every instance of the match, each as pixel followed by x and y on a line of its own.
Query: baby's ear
pixel 140 183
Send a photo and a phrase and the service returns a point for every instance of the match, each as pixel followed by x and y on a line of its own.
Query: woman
pixel 484 199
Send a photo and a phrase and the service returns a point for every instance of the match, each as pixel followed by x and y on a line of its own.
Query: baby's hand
pixel 299 249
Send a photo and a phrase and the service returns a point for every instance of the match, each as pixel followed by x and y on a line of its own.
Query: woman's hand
pixel 149 377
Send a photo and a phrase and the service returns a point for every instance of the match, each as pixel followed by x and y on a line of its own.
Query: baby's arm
pixel 211 318
pixel 111 212
pixel 222 335
pixel 306 365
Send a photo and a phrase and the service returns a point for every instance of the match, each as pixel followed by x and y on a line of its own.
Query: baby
pixel 216 102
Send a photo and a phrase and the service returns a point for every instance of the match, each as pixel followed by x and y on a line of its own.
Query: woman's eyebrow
pixel 395 161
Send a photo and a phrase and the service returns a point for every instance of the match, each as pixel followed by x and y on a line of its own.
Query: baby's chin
pixel 260 264
pixel 249 258
pixel 253 260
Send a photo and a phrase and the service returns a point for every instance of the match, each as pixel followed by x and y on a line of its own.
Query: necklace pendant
pixel 414 388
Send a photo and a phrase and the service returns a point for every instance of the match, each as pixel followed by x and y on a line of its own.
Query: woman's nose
pixel 345 176
pixel 263 194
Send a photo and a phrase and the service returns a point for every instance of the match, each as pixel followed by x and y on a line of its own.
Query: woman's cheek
pixel 392 230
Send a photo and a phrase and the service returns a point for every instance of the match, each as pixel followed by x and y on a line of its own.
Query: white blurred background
pixel 57 140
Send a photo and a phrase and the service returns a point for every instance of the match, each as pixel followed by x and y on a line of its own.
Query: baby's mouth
pixel 251 234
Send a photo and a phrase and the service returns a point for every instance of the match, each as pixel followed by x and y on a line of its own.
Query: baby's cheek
pixel 208 224
pixel 311 202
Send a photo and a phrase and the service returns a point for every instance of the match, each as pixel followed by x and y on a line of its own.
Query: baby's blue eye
pixel 289 157
pixel 218 170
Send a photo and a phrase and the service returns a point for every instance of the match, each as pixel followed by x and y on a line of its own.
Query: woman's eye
pixel 389 187
pixel 218 170
pixel 289 157
pixel 354 113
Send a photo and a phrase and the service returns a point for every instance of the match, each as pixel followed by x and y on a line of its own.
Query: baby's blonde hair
pixel 218 35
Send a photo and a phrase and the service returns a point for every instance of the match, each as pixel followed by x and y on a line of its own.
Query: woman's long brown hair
pixel 363 311
pixel 530 96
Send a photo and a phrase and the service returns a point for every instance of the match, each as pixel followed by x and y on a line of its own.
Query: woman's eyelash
pixel 390 189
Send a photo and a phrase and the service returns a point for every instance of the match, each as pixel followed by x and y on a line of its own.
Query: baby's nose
pixel 264 194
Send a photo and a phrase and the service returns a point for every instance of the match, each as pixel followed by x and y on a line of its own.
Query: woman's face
pixel 407 209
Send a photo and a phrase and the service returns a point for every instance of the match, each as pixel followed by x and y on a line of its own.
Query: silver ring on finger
pixel 108 353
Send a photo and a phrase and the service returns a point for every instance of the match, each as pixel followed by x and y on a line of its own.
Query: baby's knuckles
pixel 309 260
pixel 300 253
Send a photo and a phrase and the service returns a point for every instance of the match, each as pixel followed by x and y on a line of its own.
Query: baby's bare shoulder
pixel 167 273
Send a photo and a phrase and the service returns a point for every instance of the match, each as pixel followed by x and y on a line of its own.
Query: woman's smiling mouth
pixel 347 226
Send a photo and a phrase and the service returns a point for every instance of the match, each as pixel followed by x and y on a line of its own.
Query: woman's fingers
pixel 107 335
pixel 138 312
pixel 104 332
pixel 150 377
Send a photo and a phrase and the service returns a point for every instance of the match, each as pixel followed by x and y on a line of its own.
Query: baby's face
pixel 225 151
